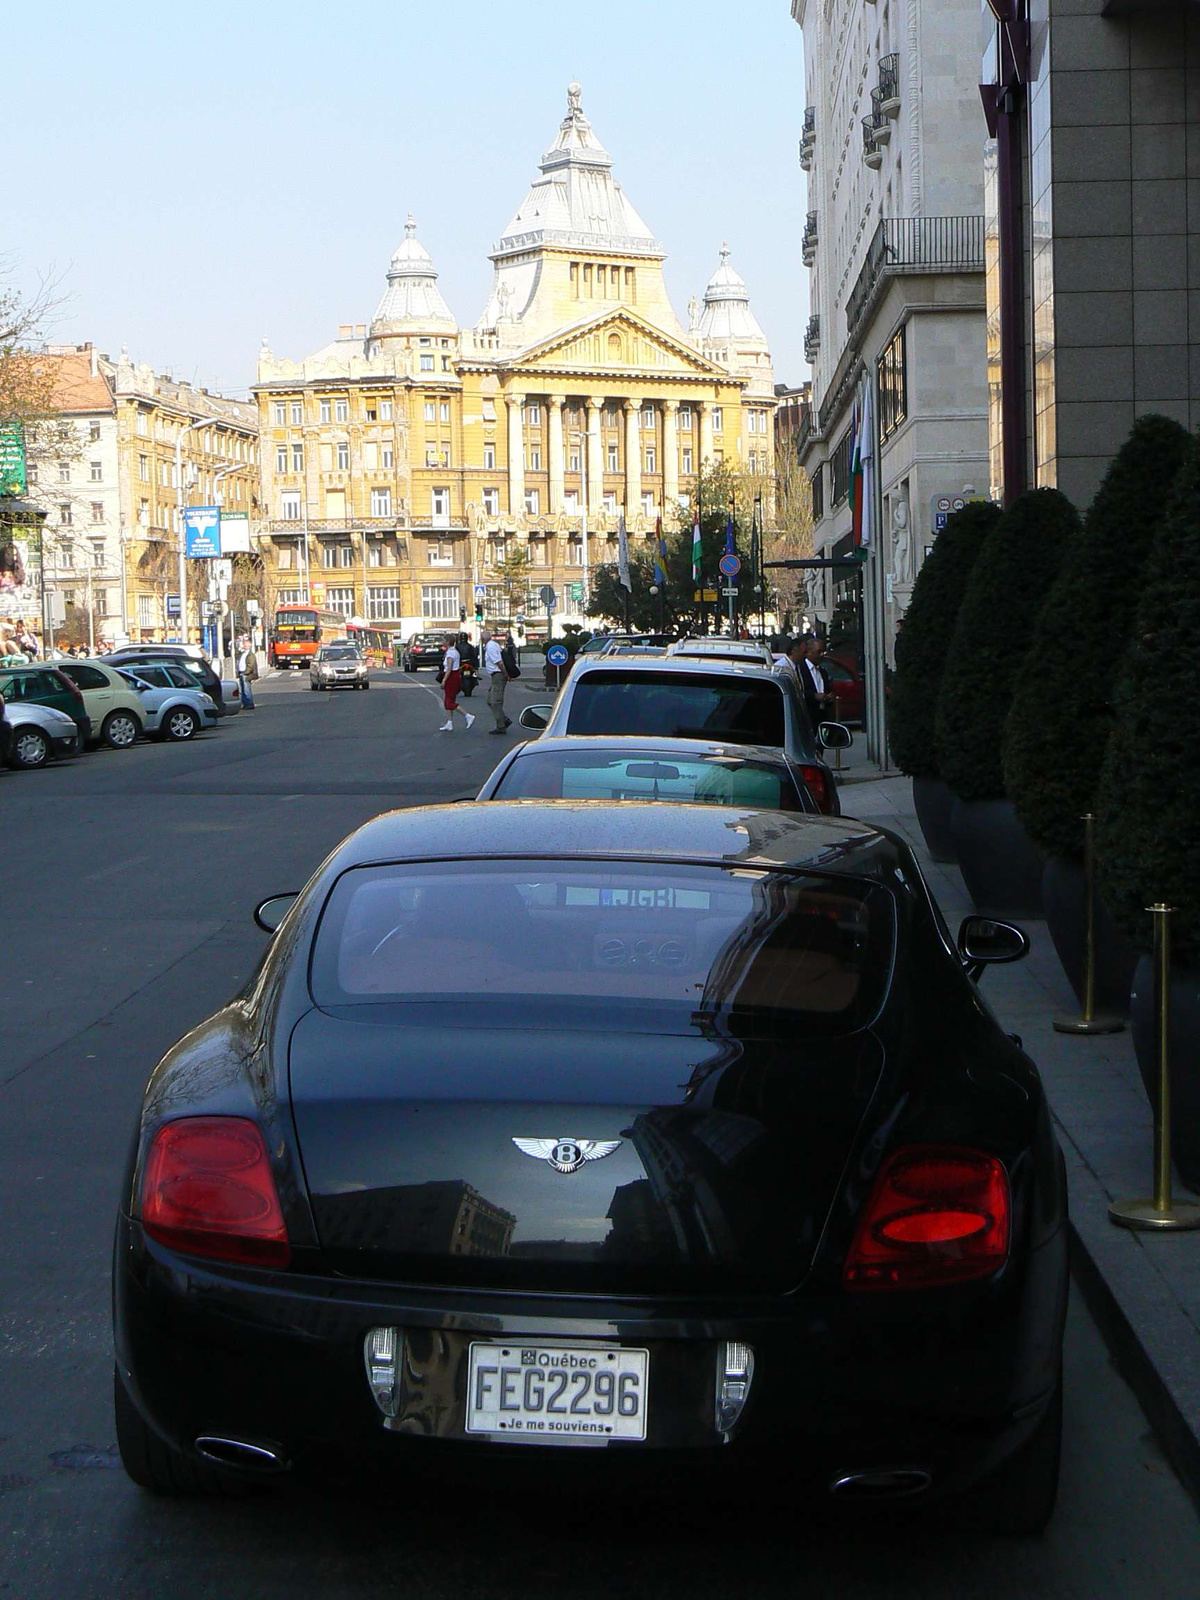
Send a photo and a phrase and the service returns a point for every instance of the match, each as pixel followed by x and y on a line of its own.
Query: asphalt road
pixel 129 882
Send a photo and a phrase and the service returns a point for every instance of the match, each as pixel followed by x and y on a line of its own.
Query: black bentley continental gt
pixel 669 1139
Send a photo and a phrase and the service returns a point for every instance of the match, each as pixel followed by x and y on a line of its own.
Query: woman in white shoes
pixel 451 684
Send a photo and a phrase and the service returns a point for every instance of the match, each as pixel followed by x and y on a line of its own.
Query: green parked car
pixel 42 684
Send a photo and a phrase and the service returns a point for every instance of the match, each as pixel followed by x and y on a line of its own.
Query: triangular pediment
pixel 615 341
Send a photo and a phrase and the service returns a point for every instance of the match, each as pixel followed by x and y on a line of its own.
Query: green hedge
pixel 1011 577
pixel 925 634
pixel 1062 711
pixel 1148 813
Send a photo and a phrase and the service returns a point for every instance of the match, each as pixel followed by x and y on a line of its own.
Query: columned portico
pixel 595 457
pixel 555 403
pixel 670 461
pixel 633 459
pixel 704 407
pixel 516 453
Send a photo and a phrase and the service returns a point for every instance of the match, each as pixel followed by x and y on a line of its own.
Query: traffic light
pixel 479 611
pixel 462 613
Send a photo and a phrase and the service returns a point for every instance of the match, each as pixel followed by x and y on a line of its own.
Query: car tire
pixel 119 730
pixel 30 748
pixel 180 723
pixel 154 1464
pixel 1018 1498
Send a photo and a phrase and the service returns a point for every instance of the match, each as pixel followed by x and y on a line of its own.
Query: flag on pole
pixel 863 466
pixel 856 482
pixel 623 577
pixel 755 542
pixel 697 556
pixel 660 555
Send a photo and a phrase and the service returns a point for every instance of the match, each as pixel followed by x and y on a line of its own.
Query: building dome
pixel 726 313
pixel 412 300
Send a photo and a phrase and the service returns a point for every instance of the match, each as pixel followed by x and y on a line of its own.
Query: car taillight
pixel 816 781
pixel 936 1215
pixel 208 1190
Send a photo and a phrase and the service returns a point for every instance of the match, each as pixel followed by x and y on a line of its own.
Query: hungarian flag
pixel 697 555
pixel 660 555
pixel 856 477
pixel 863 468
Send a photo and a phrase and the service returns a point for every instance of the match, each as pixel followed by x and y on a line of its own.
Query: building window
pixel 343 455
pixel 385 411
pixel 651 459
pixel 145 610
pixel 341 410
pixel 97 549
pixel 381 502
pixel 610 503
pixel 687 461
pixel 574 552
pixel 444 455
pixel 431 411
pixel 648 417
pixel 531 502
pixel 64 472
pixel 535 458
pixel 144 469
pixel 818 492
pixel 297 458
pixel 614 458
pixel 441 553
pixel 718 419
pixel 571 502
pixel 441 508
pixel 372 414
pixel 497 551
pixel 383 603
pixel 839 467
pixel 573 461
pixel 533 414
pixel 279 409
pixel 97 511
pixel 489 457
pixel 330 554
pixel 65 518
pixel 491 502
pixel 96 471
pixel 648 505
pixel 289 505
pixel 685 418
pixel 94 432
pixel 386 457
pixel 892 370
pixel 281 458
pixel 297 413
pixel 340 600
pixel 426 363
pixel 444 411
pixel 143 513
pixel 291 597
pixel 439 602
pixel 326 410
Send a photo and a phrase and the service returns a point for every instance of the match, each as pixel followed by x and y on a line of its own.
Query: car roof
pixel 627 743
pixel 594 830
pixel 688 665
pixel 751 649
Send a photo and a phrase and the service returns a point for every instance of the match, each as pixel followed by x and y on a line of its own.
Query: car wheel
pixel 181 723
pixel 154 1464
pixel 1018 1498
pixel 366 685
pixel 119 730
pixel 30 748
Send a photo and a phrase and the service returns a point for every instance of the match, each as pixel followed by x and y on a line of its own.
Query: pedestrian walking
pixel 812 679
pixel 243 674
pixel 497 676
pixel 451 684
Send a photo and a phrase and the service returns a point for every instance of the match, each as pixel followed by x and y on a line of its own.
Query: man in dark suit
pixel 805 654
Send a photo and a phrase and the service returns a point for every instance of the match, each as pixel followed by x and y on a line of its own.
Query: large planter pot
pixel 1063 897
pixel 932 800
pixel 1001 865
pixel 1185 1059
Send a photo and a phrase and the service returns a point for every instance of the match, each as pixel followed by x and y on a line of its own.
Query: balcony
pixel 883 126
pixel 295 527
pixel 808 137
pixel 889 85
pixel 440 522
pixel 808 241
pixel 915 245
pixel 812 338
pixel 872 154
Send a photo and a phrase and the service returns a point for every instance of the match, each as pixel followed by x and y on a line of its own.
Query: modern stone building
pixel 1092 156
pixel 412 460
pixel 894 241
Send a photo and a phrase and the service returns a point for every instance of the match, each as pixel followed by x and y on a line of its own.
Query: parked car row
pixel 57 708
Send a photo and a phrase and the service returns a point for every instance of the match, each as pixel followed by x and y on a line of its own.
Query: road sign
pixel 558 655
pixel 575 591
pixel 520 617
pixel 172 605
pixel 548 597
pixel 730 565
pixel 481 591
pixel 12 458
pixel 730 591
pixel 202 531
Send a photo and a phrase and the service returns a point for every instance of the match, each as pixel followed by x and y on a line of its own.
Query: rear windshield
pixel 705 941
pixel 676 705
pixel 646 775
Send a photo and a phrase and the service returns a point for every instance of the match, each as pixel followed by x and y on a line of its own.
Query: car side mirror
pixel 535 716
pixel 834 736
pixel 983 943
pixel 269 913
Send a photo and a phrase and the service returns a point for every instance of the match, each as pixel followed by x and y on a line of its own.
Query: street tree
pixel 511 576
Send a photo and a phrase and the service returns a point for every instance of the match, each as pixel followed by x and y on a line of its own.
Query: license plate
pixel 557 1394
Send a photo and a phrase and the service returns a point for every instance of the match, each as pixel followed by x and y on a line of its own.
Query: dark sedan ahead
pixel 672 1140
pixel 424 650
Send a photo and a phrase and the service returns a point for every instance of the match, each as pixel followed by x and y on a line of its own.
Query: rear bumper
pixel 950 1384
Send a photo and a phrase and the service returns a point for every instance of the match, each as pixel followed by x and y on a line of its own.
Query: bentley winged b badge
pixel 567 1155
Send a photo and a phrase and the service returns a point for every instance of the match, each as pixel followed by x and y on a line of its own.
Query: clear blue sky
pixel 200 176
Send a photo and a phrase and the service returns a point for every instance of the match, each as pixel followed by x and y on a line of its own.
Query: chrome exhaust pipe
pixel 880 1483
pixel 255 1455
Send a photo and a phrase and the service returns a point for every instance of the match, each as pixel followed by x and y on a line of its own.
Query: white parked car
pixel 35 734
pixel 173 709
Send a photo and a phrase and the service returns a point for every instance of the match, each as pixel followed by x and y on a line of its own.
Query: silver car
pixel 34 735
pixel 173 708
pixel 339 666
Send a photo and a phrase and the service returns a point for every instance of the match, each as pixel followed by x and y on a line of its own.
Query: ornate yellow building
pixel 410 458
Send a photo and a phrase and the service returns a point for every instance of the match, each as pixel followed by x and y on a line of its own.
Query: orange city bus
pixel 299 630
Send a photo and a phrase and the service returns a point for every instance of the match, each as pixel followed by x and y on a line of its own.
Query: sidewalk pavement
pixel 1143 1288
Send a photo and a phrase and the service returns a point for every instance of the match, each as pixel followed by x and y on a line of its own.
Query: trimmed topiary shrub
pixel 925 634
pixel 1062 709
pixel 1148 812
pixel 1012 575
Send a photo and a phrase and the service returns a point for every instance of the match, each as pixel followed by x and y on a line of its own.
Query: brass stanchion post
pixel 1160 1214
pixel 1089 1022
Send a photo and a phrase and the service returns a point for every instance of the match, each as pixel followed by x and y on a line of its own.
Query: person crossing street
pixel 496 674
pixel 451 684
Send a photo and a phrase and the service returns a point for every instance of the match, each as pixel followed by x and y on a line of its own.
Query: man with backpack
pixel 498 671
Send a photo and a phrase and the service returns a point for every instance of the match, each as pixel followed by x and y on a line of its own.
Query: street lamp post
pixel 187 427
pixel 222 472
